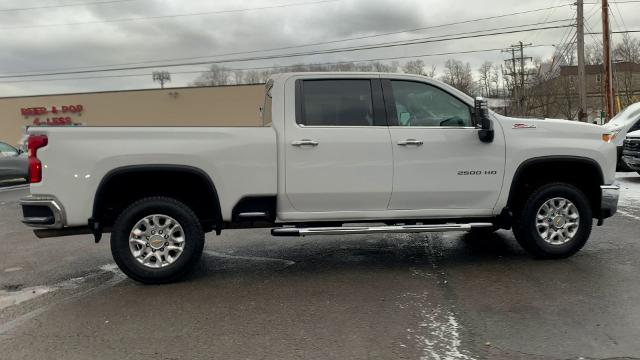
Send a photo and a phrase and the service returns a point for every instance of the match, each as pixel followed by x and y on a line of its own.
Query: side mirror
pixel 483 121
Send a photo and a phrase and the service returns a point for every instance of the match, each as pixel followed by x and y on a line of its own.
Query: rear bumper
pixel 609 200
pixel 43 211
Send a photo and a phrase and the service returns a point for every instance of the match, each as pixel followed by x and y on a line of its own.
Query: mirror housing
pixel 483 121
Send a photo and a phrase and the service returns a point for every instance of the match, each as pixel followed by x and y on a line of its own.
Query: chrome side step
pixel 346 230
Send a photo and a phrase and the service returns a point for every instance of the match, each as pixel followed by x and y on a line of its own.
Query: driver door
pixel 440 165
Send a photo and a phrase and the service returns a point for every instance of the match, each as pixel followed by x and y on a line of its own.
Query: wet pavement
pixel 435 296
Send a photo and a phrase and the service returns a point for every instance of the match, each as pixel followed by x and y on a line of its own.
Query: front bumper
pixel 632 159
pixel 43 211
pixel 609 200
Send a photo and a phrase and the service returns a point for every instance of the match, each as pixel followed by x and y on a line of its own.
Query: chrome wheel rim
pixel 156 241
pixel 557 221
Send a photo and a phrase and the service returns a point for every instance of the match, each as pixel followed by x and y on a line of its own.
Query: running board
pixel 346 230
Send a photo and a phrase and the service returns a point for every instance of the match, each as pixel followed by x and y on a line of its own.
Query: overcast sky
pixel 29 43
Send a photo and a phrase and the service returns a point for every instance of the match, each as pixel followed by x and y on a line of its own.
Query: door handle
pixel 305 142
pixel 410 142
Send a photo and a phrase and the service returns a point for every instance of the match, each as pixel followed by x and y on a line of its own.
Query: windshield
pixel 631 113
pixel 6 149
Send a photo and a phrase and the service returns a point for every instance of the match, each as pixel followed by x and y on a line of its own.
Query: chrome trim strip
pixel 344 230
pixel 52 203
pixel 248 215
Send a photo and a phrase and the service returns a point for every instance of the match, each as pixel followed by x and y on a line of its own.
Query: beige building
pixel 191 106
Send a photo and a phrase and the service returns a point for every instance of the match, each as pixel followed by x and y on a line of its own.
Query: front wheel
pixel 157 240
pixel 555 222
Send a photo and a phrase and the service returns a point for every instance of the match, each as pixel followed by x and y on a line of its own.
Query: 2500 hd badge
pixel 477 172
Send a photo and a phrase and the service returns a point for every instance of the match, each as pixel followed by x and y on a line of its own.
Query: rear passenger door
pixel 338 149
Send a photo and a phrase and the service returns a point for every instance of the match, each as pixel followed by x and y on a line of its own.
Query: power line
pixel 617 2
pixel 272 67
pixel 624 25
pixel 217 12
pixel 66 5
pixel 317 43
pixel 617 32
pixel 280 56
pixel 546 17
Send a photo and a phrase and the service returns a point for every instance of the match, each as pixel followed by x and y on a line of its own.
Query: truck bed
pixel 240 160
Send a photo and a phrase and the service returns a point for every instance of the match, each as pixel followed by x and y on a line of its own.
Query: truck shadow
pixel 391 252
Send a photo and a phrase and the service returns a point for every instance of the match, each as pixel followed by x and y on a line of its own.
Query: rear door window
pixel 347 102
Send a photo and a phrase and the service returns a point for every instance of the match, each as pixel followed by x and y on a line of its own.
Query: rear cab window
pixel 339 102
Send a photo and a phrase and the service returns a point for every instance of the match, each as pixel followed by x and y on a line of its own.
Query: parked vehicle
pixel 631 152
pixel 13 164
pixel 393 153
pixel 626 121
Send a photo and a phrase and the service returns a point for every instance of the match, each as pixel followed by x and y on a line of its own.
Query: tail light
pixel 34 143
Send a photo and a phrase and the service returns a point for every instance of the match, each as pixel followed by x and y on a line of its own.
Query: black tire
pixel 525 227
pixel 192 232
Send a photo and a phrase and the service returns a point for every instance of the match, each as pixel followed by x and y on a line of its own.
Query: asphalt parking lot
pixel 436 296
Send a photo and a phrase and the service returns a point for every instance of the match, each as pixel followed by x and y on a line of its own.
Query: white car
pixel 389 152
pixel 626 121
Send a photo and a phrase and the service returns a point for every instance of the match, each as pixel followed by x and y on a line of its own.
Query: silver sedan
pixel 14 164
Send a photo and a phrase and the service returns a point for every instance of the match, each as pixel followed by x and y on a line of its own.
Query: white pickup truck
pixel 339 153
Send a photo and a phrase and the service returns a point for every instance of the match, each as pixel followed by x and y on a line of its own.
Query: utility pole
pixel 504 90
pixel 518 77
pixel 608 74
pixel 582 87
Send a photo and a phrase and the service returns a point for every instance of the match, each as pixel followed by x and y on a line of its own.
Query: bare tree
pixel 431 73
pixel 542 98
pixel 568 99
pixel 495 80
pixel 238 77
pixel 485 71
pixel 593 54
pixel 414 67
pixel 628 50
pixel 458 75
pixel 216 75
pixel 252 77
pixel 382 67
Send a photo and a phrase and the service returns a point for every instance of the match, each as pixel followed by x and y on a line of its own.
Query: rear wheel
pixel 157 240
pixel 555 222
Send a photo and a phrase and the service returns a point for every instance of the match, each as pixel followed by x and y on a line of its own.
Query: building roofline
pixel 121 91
